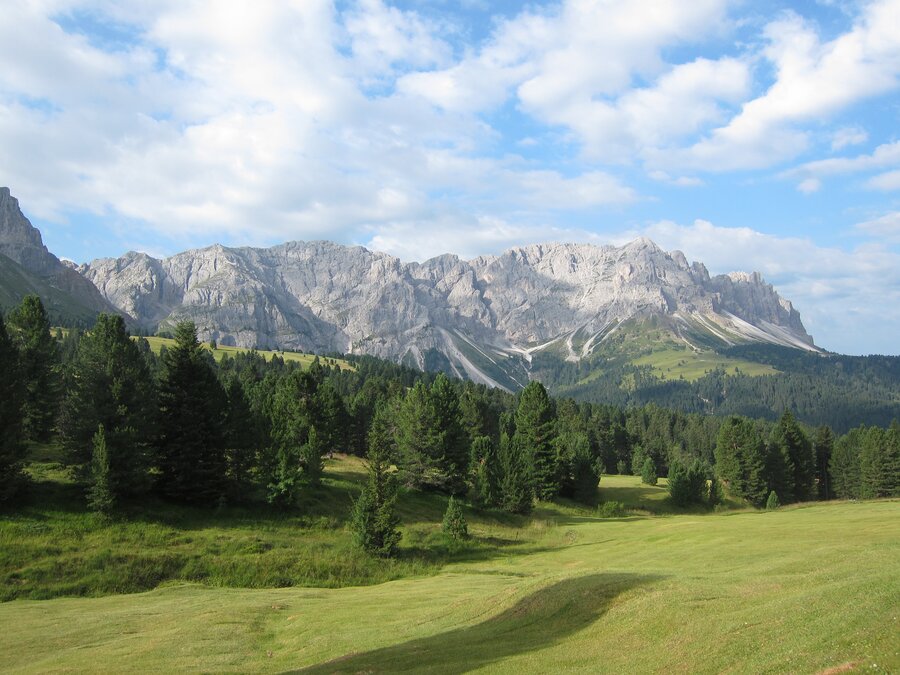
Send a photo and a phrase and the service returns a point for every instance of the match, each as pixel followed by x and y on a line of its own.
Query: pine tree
pixel 535 433
pixel 741 460
pixel 483 465
pixel 192 407
pixel 330 417
pixel 452 440
pixel 687 484
pixel 39 368
pixel 715 495
pixel 374 520
pixel 417 444
pixel 108 383
pixel 12 449
pixel 823 446
pixel 879 463
pixel 243 437
pixel 796 472
pixel 844 465
pixel 312 458
pixel 648 472
pixel 514 486
pixel 579 469
pixel 454 524
pixel 101 497
pixel 772 502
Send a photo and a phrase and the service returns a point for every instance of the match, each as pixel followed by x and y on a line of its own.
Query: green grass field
pixel 156 343
pixel 802 589
pixel 675 363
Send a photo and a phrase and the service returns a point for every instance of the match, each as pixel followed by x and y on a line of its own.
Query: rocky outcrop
pixel 21 242
pixel 321 296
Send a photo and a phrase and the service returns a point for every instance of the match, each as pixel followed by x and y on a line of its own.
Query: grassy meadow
pixel 157 343
pixel 803 589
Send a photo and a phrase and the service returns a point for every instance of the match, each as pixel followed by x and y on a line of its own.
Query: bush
pixel 772 502
pixel 611 510
pixel 687 484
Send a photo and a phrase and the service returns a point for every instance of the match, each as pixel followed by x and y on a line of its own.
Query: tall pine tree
pixel 192 408
pixel 108 384
pixel 39 366
pixel 535 433
pixel 12 449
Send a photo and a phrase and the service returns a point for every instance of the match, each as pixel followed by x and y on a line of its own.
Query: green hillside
pixel 16 282
pixel 802 589
pixel 156 344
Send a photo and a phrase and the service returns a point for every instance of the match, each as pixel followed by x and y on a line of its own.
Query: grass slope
pixel 156 343
pixel 801 589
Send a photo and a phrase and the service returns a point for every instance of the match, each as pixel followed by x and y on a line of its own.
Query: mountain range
pixel 484 319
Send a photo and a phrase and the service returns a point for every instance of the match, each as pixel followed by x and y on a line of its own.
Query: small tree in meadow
pixel 374 518
pixel 648 472
pixel 772 502
pixel 455 525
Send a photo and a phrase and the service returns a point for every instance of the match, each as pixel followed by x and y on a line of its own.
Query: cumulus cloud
pixel 814 79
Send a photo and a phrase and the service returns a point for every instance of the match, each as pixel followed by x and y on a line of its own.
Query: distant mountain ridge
pixel 482 319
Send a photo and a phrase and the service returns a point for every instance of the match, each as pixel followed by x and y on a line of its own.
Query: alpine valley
pixel 629 324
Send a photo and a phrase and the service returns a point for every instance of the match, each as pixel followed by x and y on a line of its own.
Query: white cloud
pixel 809 186
pixel 813 81
pixel 886 227
pixel 887 181
pixel 848 136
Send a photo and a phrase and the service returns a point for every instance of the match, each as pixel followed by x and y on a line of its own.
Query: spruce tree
pixel 515 494
pixel 823 445
pixel 484 468
pixel 715 495
pixel 879 462
pixel 108 383
pixel 12 449
pixel 417 442
pixel 452 441
pixel 648 472
pixel 579 469
pixel 374 520
pixel 687 484
pixel 535 433
pixel 741 460
pixel 772 502
pixel 330 418
pixel 312 458
pixel 101 497
pixel 39 367
pixel 192 410
pixel 454 524
pixel 798 460
pixel 243 437
pixel 844 466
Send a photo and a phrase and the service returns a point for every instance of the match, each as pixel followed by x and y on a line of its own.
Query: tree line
pixel 245 429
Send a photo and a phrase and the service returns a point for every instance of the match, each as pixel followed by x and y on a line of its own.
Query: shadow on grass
pixel 535 622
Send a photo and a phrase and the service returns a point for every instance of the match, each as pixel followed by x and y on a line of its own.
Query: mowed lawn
pixel 802 589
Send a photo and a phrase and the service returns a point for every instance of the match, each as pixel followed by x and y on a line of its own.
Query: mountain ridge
pixel 480 318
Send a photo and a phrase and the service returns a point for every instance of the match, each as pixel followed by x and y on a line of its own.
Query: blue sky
pixel 750 135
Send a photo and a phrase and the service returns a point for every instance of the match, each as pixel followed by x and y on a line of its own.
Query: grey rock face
pixel 320 296
pixel 21 242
